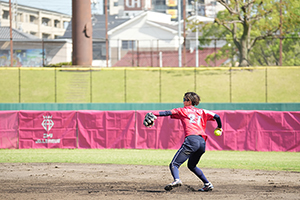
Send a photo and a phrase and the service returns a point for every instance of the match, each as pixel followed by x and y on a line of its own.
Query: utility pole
pixel 11 41
pixel 196 13
pixel 280 40
pixel 184 35
pixel 179 33
pixel 106 30
pixel 82 32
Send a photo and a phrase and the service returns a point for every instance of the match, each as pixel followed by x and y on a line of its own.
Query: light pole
pixel 196 14
pixel 11 39
pixel 179 33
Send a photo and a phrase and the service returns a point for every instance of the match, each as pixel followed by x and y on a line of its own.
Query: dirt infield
pixel 95 181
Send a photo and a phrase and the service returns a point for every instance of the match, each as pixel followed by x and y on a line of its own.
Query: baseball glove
pixel 149 119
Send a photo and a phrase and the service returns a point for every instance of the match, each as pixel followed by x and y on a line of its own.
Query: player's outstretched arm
pixel 163 113
pixel 152 116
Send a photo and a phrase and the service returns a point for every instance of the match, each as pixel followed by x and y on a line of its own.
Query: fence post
pixel 137 54
pixel 266 83
pixel 195 80
pixel 160 59
pixel 230 84
pixel 91 86
pixel 119 50
pixel 132 56
pixel 215 52
pixel 151 60
pixel 43 47
pixel 125 99
pixel 19 84
pixel 55 85
pixel 160 85
pixel 157 54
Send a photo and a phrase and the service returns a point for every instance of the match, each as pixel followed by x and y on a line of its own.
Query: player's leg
pixel 179 158
pixel 192 165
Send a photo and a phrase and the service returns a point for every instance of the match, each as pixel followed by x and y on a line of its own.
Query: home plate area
pixel 105 181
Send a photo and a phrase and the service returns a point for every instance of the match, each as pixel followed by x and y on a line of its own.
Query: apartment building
pixel 131 8
pixel 38 22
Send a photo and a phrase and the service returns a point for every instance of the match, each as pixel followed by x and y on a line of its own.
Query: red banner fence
pixel 243 130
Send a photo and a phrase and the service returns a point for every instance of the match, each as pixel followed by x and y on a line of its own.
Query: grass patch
pixel 251 160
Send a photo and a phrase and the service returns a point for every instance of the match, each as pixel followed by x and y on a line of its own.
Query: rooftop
pixel 16 34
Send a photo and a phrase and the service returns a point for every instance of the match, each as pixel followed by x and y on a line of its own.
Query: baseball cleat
pixel 207 187
pixel 175 183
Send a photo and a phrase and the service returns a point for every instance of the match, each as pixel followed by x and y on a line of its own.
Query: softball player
pixel 194 124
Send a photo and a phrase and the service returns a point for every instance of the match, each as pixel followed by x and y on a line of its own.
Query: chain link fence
pixel 151 85
pixel 211 52
pixel 154 53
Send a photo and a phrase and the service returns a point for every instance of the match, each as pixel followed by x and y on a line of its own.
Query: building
pixel 147 31
pixel 132 8
pixel 127 34
pixel 99 34
pixel 145 35
pixel 35 21
pixel 30 51
pixel 138 30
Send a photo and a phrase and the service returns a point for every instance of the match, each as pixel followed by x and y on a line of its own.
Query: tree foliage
pixel 253 28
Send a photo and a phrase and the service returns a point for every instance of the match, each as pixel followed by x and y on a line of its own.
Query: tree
pixel 266 52
pixel 245 22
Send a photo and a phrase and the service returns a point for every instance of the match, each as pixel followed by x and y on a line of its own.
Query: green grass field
pixel 251 160
pixel 149 85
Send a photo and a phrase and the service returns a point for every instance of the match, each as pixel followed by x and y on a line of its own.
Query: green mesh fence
pixel 149 85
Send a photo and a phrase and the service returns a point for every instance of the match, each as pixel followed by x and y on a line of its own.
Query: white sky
pixel 63 6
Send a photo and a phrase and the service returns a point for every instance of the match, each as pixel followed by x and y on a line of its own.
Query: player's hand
pixel 218 131
pixel 149 119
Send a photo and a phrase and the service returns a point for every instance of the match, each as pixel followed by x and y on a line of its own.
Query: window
pixel 99 51
pixel 187 44
pixel 57 23
pixel 160 2
pixel 103 50
pixel 128 44
pixel 46 36
pixel 66 24
pixel 5 14
pixel 32 19
pixel 20 17
pixel 45 21
pixel 116 4
pixel 33 33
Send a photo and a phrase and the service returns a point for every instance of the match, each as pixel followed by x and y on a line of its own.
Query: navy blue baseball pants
pixel 192 149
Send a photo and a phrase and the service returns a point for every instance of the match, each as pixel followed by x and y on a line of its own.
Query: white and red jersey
pixel 193 119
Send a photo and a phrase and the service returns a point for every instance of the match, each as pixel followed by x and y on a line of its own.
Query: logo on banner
pixel 47 123
pixel 47 137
